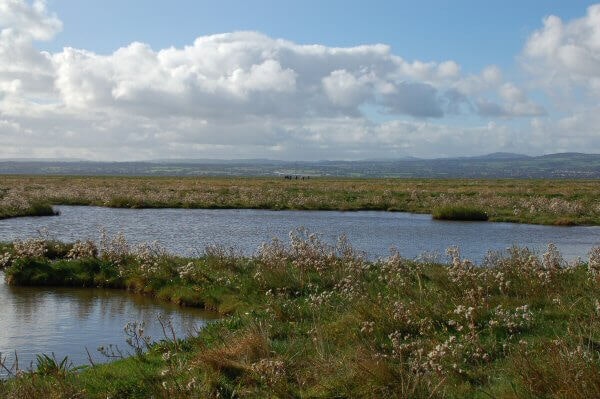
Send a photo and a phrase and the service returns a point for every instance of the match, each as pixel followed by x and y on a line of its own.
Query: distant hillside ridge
pixel 495 165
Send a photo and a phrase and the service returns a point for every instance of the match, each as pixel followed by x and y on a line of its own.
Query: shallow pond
pixel 188 231
pixel 66 321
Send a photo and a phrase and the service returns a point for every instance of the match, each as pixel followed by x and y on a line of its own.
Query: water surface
pixel 66 321
pixel 188 231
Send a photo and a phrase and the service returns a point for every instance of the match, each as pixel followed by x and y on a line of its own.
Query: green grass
pixel 459 213
pixel 309 320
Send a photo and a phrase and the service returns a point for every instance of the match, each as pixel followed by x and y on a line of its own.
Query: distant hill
pixel 496 165
pixel 502 155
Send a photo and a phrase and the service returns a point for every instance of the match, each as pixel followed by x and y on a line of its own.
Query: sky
pixel 310 80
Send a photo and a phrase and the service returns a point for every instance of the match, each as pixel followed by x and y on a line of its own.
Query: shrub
pixel 459 212
pixel 41 209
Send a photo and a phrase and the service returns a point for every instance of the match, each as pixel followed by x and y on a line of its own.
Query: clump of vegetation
pixel 307 319
pixel 39 208
pixel 459 212
pixel 33 208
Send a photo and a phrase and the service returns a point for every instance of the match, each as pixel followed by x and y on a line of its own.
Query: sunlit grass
pixel 307 319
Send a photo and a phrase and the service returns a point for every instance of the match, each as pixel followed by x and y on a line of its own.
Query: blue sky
pixel 117 80
pixel 475 33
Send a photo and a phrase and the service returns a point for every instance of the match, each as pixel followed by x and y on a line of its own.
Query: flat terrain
pixel 560 202
pixel 308 320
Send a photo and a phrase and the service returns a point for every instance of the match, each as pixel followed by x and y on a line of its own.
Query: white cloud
pixel 346 90
pixel 24 69
pixel 515 103
pixel 251 74
pixel 565 55
pixel 32 21
pixel 489 78
pixel 245 94
pixel 448 70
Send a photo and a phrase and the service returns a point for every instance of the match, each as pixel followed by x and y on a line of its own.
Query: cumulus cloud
pixel 23 69
pixel 566 54
pixel 515 103
pixel 345 89
pixel 252 74
pixel 245 94
pixel 27 20
pixel 416 99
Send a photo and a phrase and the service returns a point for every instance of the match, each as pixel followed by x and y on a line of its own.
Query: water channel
pixel 188 231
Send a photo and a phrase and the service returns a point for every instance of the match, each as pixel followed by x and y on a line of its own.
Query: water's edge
pixel 67 321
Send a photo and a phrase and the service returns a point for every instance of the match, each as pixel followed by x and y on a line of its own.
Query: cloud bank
pixel 246 95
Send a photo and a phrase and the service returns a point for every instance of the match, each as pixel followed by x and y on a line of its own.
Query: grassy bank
pixel 560 202
pixel 309 320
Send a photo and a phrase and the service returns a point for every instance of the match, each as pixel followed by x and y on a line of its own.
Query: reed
pixel 308 319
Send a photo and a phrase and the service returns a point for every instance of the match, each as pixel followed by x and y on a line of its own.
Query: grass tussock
pixel 459 213
pixel 560 202
pixel 307 319
pixel 41 209
pixel 33 208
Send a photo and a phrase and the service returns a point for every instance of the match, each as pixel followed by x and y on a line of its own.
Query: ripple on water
pixel 188 231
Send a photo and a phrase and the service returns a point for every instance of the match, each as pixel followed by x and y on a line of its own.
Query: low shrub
pixel 459 212
pixel 40 208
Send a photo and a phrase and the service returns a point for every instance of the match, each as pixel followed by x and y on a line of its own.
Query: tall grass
pixel 307 319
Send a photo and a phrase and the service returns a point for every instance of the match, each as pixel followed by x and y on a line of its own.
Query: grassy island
pixel 306 319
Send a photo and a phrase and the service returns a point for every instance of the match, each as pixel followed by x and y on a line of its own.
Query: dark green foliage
pixel 40 208
pixel 73 273
pixel 459 213
pixel 35 208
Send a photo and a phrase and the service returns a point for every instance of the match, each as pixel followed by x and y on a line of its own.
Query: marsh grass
pixel 50 365
pixel 39 208
pixel 466 213
pixel 308 319
pixel 564 202
pixel 33 208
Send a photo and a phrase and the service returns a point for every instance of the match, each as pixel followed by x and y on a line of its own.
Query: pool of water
pixel 188 231
pixel 67 321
